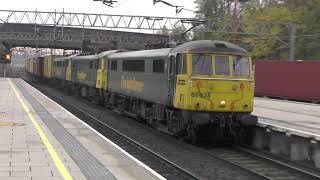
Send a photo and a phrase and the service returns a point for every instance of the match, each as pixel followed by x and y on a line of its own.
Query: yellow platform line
pixel 56 159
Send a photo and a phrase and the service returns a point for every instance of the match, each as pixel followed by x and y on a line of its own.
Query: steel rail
pixel 261 164
pixel 311 172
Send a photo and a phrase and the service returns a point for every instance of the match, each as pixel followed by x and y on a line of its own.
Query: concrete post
pixel 292 41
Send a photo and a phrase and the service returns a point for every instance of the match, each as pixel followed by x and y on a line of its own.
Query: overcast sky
pixel 129 7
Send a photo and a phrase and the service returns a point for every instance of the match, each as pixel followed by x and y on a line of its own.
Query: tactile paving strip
pixel 88 164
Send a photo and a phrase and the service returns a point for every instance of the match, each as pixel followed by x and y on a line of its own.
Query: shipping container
pixel 299 80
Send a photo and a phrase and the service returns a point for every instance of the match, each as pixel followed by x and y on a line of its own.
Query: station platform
pixel 297 118
pixel 41 140
pixel 289 129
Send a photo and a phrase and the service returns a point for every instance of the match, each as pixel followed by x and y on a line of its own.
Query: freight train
pixel 182 90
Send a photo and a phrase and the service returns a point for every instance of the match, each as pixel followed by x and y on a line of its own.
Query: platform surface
pixel 41 140
pixel 302 119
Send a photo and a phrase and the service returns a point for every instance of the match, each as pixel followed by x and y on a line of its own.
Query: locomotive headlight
pixel 7 56
pixel 222 102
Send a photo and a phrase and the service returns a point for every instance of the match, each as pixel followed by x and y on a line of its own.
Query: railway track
pixel 262 164
pixel 256 163
pixel 159 164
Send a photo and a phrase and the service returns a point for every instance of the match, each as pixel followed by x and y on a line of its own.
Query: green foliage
pixel 219 14
pixel 265 26
pixel 306 16
pixel 308 37
pixel 177 34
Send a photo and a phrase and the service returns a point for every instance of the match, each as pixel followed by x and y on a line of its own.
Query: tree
pixel 308 31
pixel 265 26
pixel 177 34
pixel 280 13
pixel 219 16
pixel 164 31
pixel 267 23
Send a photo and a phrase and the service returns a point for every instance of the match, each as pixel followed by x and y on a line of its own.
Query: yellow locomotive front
pixel 214 87
pixel 215 83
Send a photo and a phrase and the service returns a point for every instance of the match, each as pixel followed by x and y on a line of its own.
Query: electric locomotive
pixel 181 90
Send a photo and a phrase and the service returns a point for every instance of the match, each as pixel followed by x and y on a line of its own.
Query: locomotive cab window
pixel 133 65
pixel 222 65
pixel 181 67
pixel 202 64
pixel 96 64
pixel 241 66
pixel 114 65
pixel 158 66
pixel 172 65
pixel 91 65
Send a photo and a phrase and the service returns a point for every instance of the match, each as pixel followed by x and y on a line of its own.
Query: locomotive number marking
pixel 201 95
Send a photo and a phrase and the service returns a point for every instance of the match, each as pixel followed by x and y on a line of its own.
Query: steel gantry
pixel 68 29
pixel 60 29
pixel 90 20
pixel 24 35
